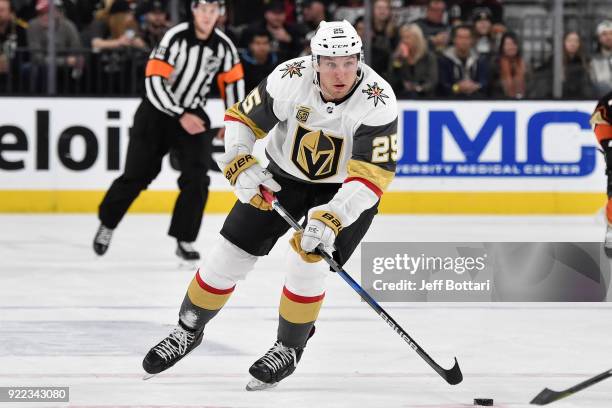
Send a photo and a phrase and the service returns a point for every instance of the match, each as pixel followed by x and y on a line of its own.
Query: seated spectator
pixel 155 23
pixel 66 36
pixel 433 26
pixel 349 10
pixel 509 70
pixel 13 35
pixel 118 30
pixel 414 69
pixel 463 73
pixel 485 43
pixel 67 45
pixel 468 7
pixel 601 64
pixel 360 27
pixel 258 60
pixel 120 53
pixel 384 36
pixel 313 12
pixel 286 39
pixel 576 80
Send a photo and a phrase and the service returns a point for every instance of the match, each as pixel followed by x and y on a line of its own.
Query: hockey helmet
pixel 336 39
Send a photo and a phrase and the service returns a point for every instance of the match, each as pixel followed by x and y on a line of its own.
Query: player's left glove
pixel 323 227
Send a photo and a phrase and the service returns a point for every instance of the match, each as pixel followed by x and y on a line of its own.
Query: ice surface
pixel 68 318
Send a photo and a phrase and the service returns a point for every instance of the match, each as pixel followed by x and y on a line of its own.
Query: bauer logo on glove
pixel 237 165
pixel 333 219
pixel 247 176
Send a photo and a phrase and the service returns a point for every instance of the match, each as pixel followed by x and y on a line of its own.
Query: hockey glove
pixel 326 221
pixel 322 228
pixel 245 174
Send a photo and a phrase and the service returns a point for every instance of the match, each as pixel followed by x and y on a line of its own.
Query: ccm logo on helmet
pixel 340 46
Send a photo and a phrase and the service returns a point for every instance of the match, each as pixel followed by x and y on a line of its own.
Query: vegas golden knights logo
pixel 315 153
pixel 302 114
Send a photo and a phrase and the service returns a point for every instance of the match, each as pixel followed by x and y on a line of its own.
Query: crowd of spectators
pixel 424 48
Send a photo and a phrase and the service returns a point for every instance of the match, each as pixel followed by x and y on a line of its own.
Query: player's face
pixel 205 17
pixel 337 75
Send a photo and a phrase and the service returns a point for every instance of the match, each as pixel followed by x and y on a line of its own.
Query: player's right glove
pixel 245 174
pixel 322 228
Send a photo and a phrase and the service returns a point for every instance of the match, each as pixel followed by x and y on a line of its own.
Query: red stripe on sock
pixel 302 299
pixel 368 184
pixel 210 289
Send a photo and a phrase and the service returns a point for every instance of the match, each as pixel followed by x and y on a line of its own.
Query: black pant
pixel 256 231
pixel 153 135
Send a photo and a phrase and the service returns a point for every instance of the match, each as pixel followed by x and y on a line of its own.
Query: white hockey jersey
pixel 323 142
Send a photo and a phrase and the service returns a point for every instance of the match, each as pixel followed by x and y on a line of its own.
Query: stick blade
pixel 546 396
pixel 453 376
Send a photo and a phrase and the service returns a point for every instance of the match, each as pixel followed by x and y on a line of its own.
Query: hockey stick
pixel 547 396
pixel 452 376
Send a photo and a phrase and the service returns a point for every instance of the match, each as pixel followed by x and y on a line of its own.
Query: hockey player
pixel 330 123
pixel 601 121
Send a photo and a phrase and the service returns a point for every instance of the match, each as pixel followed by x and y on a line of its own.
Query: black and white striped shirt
pixel 181 69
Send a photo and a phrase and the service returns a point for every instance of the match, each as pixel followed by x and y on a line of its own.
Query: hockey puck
pixel 484 402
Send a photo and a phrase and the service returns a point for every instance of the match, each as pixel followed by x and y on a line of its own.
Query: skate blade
pixel 148 376
pixel 256 385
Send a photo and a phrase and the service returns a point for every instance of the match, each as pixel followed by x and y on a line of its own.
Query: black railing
pixel 78 72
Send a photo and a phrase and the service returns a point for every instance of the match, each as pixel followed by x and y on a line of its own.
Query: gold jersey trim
pixel 378 176
pixel 235 113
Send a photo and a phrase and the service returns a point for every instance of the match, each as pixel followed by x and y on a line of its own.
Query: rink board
pixel 61 154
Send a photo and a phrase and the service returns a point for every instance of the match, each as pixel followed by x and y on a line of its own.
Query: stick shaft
pixel 452 376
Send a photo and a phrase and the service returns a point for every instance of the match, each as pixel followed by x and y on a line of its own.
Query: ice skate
pixel 278 363
pixel 188 254
pixel 102 239
pixel 180 342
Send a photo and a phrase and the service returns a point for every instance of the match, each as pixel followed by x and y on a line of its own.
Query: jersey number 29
pixel 382 147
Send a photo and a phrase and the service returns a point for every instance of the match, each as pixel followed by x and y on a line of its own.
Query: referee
pixel 179 75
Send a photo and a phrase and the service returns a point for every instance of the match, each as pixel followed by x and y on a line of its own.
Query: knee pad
pixel 303 278
pixel 226 264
